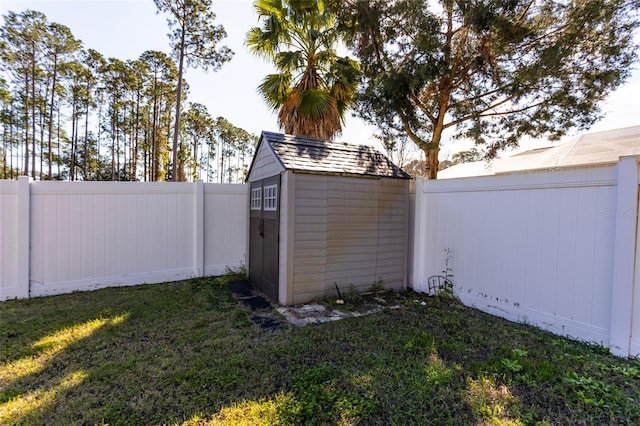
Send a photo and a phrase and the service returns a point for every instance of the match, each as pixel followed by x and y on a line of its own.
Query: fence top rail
pixel 8 186
pixel 84 187
pixel 49 187
pixel 225 188
pixel 589 176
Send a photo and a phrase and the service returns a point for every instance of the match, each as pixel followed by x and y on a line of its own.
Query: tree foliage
pixel 313 86
pixel 194 40
pixel 467 156
pixel 67 112
pixel 493 70
pixel 235 146
pixel 22 53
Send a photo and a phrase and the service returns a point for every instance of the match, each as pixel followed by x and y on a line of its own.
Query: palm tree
pixel 313 87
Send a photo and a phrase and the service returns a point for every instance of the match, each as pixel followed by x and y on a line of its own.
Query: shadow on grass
pixel 438 364
pixel 186 353
pixel 85 357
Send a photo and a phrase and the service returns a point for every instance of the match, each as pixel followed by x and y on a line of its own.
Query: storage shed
pixel 324 214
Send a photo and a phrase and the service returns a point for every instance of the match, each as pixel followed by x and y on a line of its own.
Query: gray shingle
pixel 317 156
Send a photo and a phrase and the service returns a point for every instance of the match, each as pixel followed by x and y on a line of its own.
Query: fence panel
pixel 635 326
pixel 89 235
pixel 9 240
pixel 225 227
pixel 411 228
pixel 535 247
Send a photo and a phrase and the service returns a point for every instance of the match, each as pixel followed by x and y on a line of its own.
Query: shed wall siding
pixel 265 164
pixel 310 237
pixel 393 233
pixel 349 232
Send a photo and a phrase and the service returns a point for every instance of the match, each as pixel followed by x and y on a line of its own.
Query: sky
pixel 124 29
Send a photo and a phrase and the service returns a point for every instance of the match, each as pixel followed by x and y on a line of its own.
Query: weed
pixel 421 341
pixel 594 392
pixel 317 398
pixel 514 364
pixel 436 370
pixel 522 353
pixel 377 286
pixel 446 288
pixel 626 371
pixel 511 365
pixel 491 401
pixel 352 296
pixel 231 275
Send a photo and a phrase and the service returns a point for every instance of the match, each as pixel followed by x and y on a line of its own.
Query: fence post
pixel 199 228
pixel 24 237
pixel 624 256
pixel 634 350
pixel 418 237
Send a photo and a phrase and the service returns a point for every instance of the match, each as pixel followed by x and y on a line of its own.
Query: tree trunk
pixel 26 126
pixel 432 163
pixel 117 146
pixel 72 149
pixel 42 128
pixel 113 148
pixel 87 171
pixel 33 115
pixel 154 142
pixel 222 162
pixel 136 136
pixel 176 128
pixel 50 136
pixel 58 130
pixel 11 167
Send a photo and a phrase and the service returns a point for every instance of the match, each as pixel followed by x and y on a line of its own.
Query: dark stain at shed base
pixel 256 301
pixel 266 322
pixel 240 288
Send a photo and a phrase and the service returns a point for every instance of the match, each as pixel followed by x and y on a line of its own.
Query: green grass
pixel 186 353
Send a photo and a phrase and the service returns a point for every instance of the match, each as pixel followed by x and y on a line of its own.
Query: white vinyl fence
pixel 557 249
pixel 58 237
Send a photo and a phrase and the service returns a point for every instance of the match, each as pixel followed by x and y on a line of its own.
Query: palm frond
pixel 300 38
pixel 310 113
pixel 289 60
pixel 275 89
pixel 269 7
pixel 261 44
pixel 315 102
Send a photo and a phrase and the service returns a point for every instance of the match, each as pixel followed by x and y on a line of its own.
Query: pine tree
pixel 194 40
pixel 494 70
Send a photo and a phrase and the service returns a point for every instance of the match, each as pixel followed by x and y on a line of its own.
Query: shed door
pixel 263 235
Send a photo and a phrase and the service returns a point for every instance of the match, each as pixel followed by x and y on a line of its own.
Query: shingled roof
pixel 324 157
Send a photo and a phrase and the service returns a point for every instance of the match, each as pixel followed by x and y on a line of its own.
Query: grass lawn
pixel 187 353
